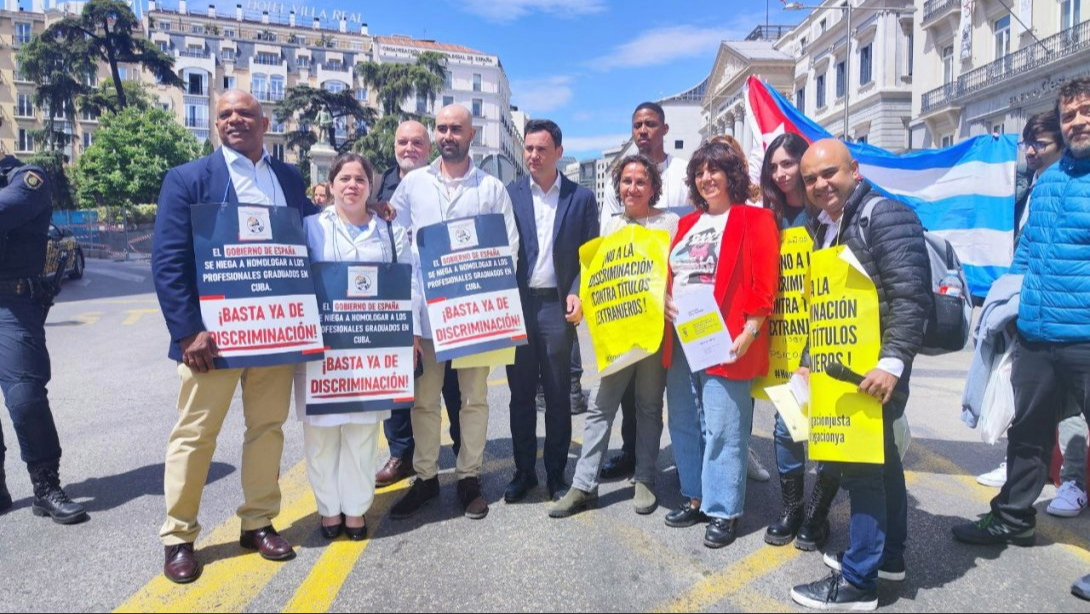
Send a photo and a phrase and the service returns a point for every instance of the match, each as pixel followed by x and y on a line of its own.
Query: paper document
pixel 791 411
pixel 701 330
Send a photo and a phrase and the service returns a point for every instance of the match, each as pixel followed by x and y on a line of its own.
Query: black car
pixel 62 241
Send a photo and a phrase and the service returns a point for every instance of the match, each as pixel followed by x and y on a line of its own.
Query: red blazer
pixel 746 278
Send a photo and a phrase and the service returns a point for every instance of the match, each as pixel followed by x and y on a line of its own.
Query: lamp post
pixel 848 9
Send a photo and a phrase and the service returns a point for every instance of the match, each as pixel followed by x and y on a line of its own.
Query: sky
pixel 585 64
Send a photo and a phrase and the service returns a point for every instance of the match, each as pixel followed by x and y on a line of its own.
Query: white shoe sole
pixel 856 606
pixel 830 561
pixel 990 482
pixel 1062 513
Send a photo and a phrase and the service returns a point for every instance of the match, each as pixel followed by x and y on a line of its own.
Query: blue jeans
pixel 790 454
pixel 710 418
pixel 879 512
pixel 24 373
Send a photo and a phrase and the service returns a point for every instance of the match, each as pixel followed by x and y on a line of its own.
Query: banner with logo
pixel 623 289
pixel 253 278
pixel 845 424
pixel 468 272
pixel 366 313
pixel 788 327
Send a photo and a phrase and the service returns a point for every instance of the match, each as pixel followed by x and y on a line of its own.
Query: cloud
pixel 542 95
pixel 594 143
pixel 663 46
pixel 510 10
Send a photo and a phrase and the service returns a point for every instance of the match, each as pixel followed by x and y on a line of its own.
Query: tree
pixel 378 144
pixel 303 103
pixel 63 56
pixel 393 83
pixel 104 98
pixel 130 156
pixel 53 162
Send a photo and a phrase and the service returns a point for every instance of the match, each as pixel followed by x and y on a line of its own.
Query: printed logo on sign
pixel 254 224
pixel 463 234
pixel 362 281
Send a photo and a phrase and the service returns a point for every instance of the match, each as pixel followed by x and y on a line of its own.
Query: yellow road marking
pixel 731 580
pixel 135 315
pixel 90 317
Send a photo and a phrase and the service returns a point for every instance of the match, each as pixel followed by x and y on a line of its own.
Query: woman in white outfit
pixel 341 449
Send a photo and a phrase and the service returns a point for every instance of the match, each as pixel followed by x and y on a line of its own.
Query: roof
pixel 408 41
pixel 758 50
pixel 693 94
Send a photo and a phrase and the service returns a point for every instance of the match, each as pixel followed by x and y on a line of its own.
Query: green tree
pixel 378 144
pixel 104 98
pixel 303 102
pixel 60 186
pixel 130 156
pixel 393 83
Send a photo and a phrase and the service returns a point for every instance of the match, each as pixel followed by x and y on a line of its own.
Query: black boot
pixel 5 496
pixel 781 532
pixel 51 500
pixel 815 528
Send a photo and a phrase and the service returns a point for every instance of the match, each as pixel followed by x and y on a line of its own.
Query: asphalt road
pixel 114 398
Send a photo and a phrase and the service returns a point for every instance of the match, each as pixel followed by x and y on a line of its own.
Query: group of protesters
pixel 718 243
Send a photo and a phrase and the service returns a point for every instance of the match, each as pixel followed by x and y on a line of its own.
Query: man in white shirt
pixel 555 216
pixel 449 188
pixel 649 129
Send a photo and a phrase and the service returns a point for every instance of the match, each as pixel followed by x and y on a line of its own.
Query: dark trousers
pixel 547 356
pixel 399 428
pixel 628 420
pixel 24 373
pixel 1044 377
pixel 878 528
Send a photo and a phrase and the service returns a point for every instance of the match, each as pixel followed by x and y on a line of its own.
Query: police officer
pixel 25 209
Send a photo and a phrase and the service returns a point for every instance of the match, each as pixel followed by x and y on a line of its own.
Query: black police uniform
pixel 25 210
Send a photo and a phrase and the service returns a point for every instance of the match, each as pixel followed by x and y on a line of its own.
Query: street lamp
pixel 848 9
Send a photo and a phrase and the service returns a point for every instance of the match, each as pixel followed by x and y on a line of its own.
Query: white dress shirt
pixel 255 184
pixel 543 275
pixel 675 193
pixel 426 197
pixel 893 366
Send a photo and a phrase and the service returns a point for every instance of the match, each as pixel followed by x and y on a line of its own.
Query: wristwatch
pixel 753 329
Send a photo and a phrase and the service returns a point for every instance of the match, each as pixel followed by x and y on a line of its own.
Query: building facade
pixel 987 68
pixel 723 106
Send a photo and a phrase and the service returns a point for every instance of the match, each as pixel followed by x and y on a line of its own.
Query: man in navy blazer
pixel 239 171
pixel 555 216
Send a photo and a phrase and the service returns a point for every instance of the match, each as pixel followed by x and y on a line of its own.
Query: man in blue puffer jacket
pixel 1052 349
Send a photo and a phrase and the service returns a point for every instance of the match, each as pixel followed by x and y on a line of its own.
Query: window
pixel 335 64
pixel 910 54
pixel 947 141
pixel 1070 14
pixel 421 104
pixel 865 64
pixel 276 87
pixel 1002 29
pixel 822 26
pixel 840 86
pixel 861 139
pixel 267 59
pixel 478 107
pixel 259 86
pixel 163 25
pixel 195 85
pixel 334 86
pixel 22 33
pixel 196 28
pixel 163 46
pixel 356 46
pixel 19 76
pixel 478 138
pixel 229 82
pixel 228 32
pixel 679 144
pixel 800 99
pixel 196 116
pixel 278 151
pixel 88 140
pixel 999 129
pixel 303 62
pixel 820 94
pixel 26 142
pixel 476 82
pixel 276 126
pixel 23 107
pixel 228 54
pixel 448 80
pixel 948 64
pixel 89 115
pixel 448 100
pixel 361 95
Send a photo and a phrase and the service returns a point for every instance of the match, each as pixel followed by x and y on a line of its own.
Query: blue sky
pixel 583 63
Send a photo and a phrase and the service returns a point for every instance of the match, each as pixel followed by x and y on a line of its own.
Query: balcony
pixel 194 53
pixel 265 60
pixel 1027 60
pixel 200 123
pixel 933 9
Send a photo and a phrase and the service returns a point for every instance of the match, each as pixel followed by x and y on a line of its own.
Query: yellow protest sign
pixel 788 326
pixel 845 425
pixel 623 288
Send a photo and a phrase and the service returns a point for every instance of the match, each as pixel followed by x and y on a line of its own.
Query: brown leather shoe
pixel 469 494
pixel 181 566
pixel 268 543
pixel 394 471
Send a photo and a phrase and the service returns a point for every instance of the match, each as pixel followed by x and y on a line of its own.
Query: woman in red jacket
pixel 731 250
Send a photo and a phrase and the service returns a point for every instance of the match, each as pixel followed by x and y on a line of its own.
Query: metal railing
pixel 194 53
pixel 934 8
pixel 1027 59
pixel 266 61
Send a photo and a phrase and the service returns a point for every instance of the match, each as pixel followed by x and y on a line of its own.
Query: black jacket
pixel 895 257
pixel 25 210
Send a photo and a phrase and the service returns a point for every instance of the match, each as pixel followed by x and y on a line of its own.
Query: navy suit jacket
pixel 576 223
pixel 173 266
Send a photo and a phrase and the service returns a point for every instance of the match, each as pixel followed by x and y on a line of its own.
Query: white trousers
pixel 341 465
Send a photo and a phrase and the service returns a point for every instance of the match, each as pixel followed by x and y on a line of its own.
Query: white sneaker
pixel 996 477
pixel 755 470
pixel 1069 501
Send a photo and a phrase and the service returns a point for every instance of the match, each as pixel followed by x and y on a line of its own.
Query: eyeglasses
pixel 1038 145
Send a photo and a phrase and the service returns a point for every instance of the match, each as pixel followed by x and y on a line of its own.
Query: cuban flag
pixel 963 193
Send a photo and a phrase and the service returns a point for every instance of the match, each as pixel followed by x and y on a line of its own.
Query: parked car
pixel 62 241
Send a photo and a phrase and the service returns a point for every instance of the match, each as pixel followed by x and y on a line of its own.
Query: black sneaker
pixel 685 516
pixel 419 493
pixel 835 593
pixel 894 570
pixel 991 531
